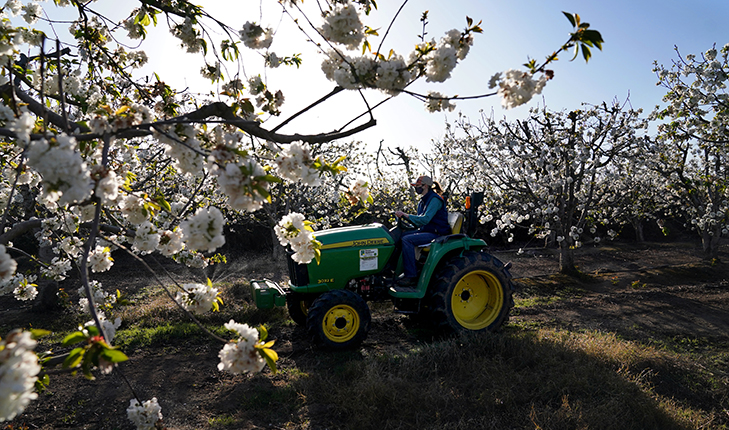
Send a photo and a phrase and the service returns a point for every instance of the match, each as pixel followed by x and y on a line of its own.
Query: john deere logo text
pixel 369 242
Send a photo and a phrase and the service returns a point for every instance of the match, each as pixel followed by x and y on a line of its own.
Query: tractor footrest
pixel 400 289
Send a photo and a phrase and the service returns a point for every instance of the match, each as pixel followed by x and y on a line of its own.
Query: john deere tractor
pixel 460 287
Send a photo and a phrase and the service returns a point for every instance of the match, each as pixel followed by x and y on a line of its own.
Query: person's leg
pixel 409 242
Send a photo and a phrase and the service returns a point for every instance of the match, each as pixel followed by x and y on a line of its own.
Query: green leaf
pixel 145 21
pixel 74 338
pixel 74 358
pixel 263 192
pixel 317 256
pixel 586 53
pixel 113 355
pixel 164 204
pixel 262 332
pixel 271 357
pixel 37 333
pixel 570 18
pixel 268 178
pixel 594 37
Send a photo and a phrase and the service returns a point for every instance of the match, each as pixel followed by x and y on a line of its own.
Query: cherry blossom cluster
pixel 256 37
pixel 7 265
pixel 144 416
pixel 240 355
pixel 204 230
pixel 66 178
pixel 197 298
pixel 293 230
pixel 517 87
pixel 101 298
pixel 296 163
pixel 342 25
pixel 25 289
pixel 359 192
pixel 19 370
pixel 241 178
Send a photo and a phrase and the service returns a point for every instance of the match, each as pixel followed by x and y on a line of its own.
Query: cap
pixel 423 180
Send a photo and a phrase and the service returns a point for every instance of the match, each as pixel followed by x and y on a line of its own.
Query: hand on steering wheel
pixel 406 224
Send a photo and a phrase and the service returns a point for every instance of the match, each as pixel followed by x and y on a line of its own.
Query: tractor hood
pixel 346 253
pixel 361 236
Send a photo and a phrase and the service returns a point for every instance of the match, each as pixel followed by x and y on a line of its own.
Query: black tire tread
pixel 323 304
pixel 446 276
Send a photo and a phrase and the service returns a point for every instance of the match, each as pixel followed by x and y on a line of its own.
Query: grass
pixel 524 377
pixel 529 375
pixel 518 379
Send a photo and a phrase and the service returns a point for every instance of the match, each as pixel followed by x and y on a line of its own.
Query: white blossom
pixel 170 243
pixel 342 25
pixel 518 87
pixel 100 259
pixel 66 178
pixel 293 230
pixel 109 329
pixel 240 356
pixel 7 265
pixel 146 415
pixel 19 370
pixel 132 207
pixel 107 188
pixel 204 230
pixel 295 163
pixel 437 102
pixel 256 37
pixel 197 298
pixel 146 238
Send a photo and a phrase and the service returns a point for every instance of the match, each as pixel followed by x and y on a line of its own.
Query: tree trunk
pixel 278 253
pixel 638 227
pixel 710 243
pixel 47 288
pixel 566 259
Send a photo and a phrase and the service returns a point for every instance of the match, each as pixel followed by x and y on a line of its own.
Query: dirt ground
pixel 638 291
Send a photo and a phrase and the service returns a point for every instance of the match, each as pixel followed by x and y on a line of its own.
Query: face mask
pixel 419 190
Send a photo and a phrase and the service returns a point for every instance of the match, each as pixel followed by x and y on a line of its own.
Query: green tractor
pixel 460 287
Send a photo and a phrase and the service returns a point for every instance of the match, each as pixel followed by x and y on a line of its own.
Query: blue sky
pixel 636 32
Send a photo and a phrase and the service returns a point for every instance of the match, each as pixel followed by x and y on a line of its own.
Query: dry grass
pixel 525 377
pixel 518 379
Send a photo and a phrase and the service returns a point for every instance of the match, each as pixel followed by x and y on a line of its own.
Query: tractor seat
pixel 455 220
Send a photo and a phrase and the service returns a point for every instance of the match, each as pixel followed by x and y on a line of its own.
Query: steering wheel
pixel 406 224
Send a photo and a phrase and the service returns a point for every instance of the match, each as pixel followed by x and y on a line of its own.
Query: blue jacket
pixel 427 220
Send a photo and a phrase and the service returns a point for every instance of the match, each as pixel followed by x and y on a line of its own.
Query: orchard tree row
pixel 99 158
pixel 571 177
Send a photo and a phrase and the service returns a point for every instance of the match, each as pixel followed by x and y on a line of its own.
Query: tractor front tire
pixel 298 306
pixel 471 293
pixel 338 320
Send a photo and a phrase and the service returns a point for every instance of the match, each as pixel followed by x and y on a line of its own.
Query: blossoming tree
pixel 98 158
pixel 690 150
pixel 543 173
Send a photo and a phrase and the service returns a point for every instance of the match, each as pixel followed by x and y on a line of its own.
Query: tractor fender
pixel 440 251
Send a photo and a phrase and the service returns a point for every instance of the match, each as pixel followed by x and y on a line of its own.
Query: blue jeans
pixel 409 241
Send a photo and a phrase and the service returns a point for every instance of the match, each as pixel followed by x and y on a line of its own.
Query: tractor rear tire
pixel 298 306
pixel 471 293
pixel 338 320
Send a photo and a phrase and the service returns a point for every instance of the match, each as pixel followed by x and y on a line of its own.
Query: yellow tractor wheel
pixel 338 319
pixel 472 293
